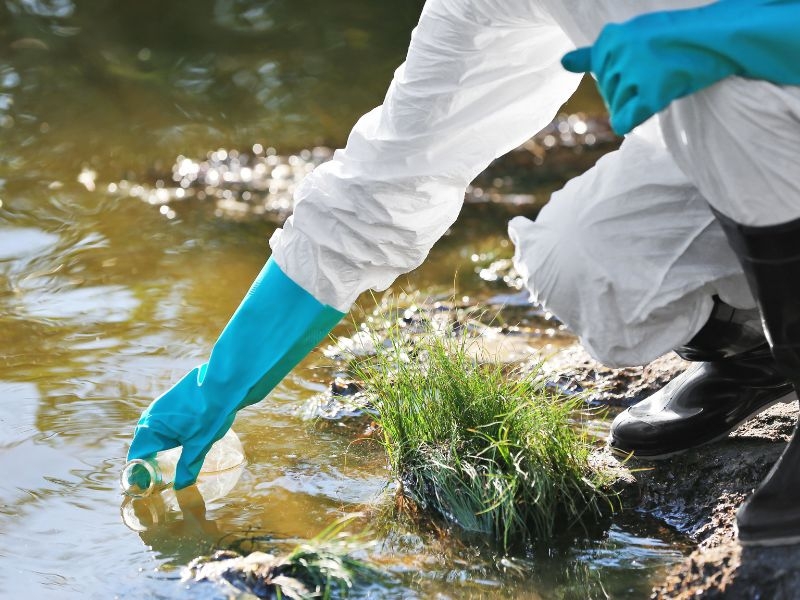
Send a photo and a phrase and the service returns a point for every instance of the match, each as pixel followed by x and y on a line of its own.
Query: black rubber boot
pixel 770 257
pixel 737 379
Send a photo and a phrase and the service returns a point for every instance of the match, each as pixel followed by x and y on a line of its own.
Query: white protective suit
pixel 627 255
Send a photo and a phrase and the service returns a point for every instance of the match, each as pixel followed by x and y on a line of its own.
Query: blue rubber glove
pixel 276 325
pixel 644 64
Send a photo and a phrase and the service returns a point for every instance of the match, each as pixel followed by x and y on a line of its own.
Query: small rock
pixel 346 387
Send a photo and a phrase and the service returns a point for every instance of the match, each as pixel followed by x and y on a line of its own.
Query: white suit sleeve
pixel 481 77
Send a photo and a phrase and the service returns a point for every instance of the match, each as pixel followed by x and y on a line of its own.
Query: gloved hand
pixel 644 64
pixel 276 325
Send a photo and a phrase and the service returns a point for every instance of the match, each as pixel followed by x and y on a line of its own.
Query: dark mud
pixel 698 493
pixel 732 572
pixel 572 370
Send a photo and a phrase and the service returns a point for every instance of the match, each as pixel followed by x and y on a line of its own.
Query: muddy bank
pixel 699 492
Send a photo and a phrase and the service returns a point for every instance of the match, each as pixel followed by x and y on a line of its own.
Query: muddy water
pixel 105 299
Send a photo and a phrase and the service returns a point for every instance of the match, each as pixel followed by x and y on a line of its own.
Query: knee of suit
pixel 625 312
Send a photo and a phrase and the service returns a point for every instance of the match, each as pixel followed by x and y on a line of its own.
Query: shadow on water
pixel 105 300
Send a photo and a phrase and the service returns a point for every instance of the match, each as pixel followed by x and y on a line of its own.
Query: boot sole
pixel 631 454
pixel 768 542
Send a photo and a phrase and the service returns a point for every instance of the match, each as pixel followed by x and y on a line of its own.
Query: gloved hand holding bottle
pixel 276 325
pixel 374 211
pixel 644 64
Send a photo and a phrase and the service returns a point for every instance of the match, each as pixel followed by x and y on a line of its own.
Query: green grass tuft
pixel 325 567
pixel 492 451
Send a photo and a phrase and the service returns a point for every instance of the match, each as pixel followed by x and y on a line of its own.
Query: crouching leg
pixel 738 141
pixel 630 257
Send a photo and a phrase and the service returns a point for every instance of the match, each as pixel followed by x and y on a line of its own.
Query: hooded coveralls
pixel 627 255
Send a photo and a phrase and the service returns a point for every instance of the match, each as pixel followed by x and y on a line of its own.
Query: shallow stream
pixel 107 298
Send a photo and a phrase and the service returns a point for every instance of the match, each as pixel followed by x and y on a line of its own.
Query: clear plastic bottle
pixel 140 478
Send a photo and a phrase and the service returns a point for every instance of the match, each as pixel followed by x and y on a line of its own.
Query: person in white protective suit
pixel 629 255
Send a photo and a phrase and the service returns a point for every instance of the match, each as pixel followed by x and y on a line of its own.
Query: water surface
pixel 106 300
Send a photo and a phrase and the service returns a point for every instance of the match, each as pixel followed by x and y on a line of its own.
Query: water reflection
pixel 177 524
pixel 22 244
pixel 180 533
pixel 56 9
pixel 121 86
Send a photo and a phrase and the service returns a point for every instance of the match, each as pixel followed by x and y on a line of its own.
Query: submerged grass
pixel 324 567
pixel 492 451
